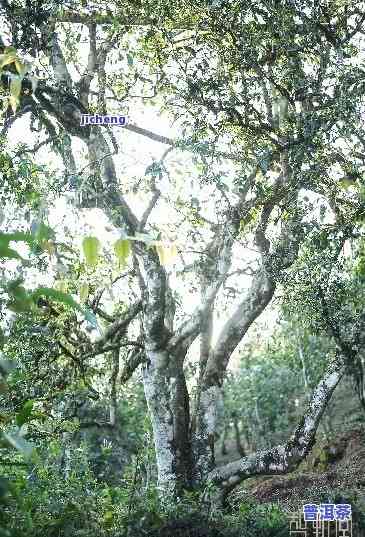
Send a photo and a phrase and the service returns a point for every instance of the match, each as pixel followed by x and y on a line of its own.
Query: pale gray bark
pixel 58 63
pixel 160 409
pixel 257 298
pixel 167 400
pixel 254 301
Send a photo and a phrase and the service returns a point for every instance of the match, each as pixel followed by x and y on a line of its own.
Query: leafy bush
pixel 45 501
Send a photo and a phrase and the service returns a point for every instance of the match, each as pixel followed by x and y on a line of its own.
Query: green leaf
pixel 122 249
pixel 41 232
pixel 84 292
pixel 346 183
pixel 8 57
pixel 90 316
pixel 91 247
pixel 18 306
pixel 108 517
pixel 58 296
pixel 10 50
pixel 17 236
pixel 18 292
pixel 66 299
pixel 61 285
pixel 25 413
pixel 15 86
pixel 8 253
pixel 21 299
pixel 129 59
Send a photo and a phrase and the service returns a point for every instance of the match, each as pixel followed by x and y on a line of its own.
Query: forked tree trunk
pixel 185 461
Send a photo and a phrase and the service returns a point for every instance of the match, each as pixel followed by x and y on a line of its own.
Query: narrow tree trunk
pixel 302 360
pixel 237 435
pixel 246 437
pixel 224 438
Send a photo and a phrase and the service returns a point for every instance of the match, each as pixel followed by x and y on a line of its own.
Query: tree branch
pixel 284 458
pixel 119 325
pixel 181 145
pixel 58 63
pixel 136 20
pixel 135 359
pixel 261 291
pixel 113 201
pixel 148 211
pixel 219 249
pixel 113 388
pixel 85 80
pixel 252 305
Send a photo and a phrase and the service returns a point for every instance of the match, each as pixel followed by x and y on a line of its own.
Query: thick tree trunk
pixel 168 404
pixel 203 438
pixel 182 464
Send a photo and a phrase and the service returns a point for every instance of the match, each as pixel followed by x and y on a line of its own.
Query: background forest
pixel 181 299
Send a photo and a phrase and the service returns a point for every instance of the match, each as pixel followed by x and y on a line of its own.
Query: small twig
pixel 8 123
pixel 36 147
